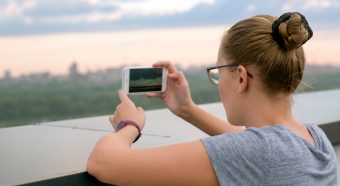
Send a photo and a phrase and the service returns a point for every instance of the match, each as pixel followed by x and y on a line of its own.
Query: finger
pixel 152 95
pixel 178 76
pixel 167 64
pixel 117 108
pixel 174 76
pixel 161 63
pixel 140 109
pixel 181 78
pixel 122 96
pixel 111 118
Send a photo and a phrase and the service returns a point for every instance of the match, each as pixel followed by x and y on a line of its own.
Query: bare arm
pixel 178 99
pixel 112 161
pixel 207 122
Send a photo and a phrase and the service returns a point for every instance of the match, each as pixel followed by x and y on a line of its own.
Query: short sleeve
pixel 238 158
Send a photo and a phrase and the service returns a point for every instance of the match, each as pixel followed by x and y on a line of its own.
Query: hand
pixel 177 96
pixel 127 110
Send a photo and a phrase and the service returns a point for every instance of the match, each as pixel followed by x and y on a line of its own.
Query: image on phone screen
pixel 145 80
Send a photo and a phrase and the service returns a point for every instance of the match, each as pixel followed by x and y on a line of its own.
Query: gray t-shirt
pixel 272 155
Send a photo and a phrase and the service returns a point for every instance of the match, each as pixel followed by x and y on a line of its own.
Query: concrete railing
pixel 55 153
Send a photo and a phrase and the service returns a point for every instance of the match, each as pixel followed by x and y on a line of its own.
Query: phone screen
pixel 145 80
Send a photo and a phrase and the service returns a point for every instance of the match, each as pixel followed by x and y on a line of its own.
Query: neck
pixel 269 110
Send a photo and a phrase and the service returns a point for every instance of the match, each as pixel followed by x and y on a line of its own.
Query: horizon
pixel 185 68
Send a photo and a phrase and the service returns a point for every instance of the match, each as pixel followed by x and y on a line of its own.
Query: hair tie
pixel 275 28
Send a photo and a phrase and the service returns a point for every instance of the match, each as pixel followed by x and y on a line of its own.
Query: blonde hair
pixel 279 62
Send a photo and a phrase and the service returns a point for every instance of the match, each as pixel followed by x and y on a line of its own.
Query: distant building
pixel 73 71
pixel 7 75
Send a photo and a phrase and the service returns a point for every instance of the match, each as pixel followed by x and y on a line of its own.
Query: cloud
pixel 160 7
pixel 11 8
pixel 80 11
pixel 91 17
pixel 51 16
pixel 250 8
pixel 311 5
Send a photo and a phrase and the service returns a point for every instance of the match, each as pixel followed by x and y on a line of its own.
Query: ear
pixel 242 79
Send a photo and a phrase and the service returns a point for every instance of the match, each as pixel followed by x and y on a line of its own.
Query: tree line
pixel 22 103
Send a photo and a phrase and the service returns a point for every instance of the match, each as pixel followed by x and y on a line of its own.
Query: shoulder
pixel 316 132
pixel 255 137
pixel 239 156
pixel 252 155
pixel 322 142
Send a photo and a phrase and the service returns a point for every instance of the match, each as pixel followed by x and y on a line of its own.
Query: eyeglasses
pixel 214 75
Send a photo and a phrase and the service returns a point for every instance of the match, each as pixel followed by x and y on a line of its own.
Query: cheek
pixel 225 98
pixel 225 86
pixel 224 93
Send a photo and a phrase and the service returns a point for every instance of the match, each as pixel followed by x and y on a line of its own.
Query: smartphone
pixel 137 80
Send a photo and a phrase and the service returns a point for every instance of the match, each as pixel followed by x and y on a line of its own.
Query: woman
pixel 260 64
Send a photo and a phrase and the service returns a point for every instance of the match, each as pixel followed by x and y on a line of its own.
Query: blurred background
pixel 62 59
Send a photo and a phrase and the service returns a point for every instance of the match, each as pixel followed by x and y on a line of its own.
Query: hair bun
pixel 291 30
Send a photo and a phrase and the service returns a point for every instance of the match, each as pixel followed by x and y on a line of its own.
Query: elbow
pixel 98 163
pixel 91 166
pixel 94 169
pixel 95 159
pixel 94 165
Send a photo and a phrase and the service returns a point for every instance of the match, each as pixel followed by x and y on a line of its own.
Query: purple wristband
pixel 124 123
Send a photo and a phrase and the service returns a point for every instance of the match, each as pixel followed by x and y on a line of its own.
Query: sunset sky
pixel 36 36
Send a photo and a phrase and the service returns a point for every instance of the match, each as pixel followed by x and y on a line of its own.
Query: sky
pixel 47 35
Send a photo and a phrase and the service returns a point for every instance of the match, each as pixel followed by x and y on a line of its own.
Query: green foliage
pixel 314 81
pixel 25 103
pixel 22 103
